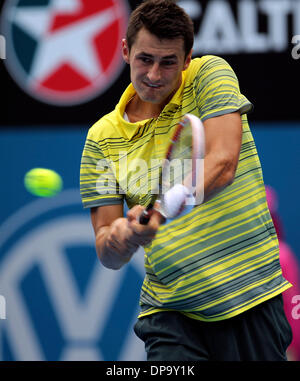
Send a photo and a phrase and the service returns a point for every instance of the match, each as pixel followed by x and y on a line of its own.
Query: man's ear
pixel 188 60
pixel 125 51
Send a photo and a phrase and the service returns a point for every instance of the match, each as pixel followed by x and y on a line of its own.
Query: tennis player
pixel 213 285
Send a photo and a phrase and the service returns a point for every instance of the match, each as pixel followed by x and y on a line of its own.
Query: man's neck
pixel 138 110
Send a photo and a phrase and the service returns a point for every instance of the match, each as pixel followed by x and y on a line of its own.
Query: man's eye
pixel 168 63
pixel 145 59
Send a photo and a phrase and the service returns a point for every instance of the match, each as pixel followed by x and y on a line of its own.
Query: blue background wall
pixel 278 148
pixel 61 304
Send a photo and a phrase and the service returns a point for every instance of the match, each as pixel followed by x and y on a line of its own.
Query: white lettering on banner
pixel 221 32
pixel 2 307
pixel 277 12
pixel 248 18
pixel 218 31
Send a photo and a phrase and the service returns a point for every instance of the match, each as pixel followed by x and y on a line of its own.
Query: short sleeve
pixel 98 185
pixel 217 89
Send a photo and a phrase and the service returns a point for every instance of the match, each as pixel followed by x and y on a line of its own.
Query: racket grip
pixel 145 216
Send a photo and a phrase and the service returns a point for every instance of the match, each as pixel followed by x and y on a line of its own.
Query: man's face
pixel 155 66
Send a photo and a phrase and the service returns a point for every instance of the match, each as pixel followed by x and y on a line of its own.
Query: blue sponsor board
pixel 61 303
pixel 278 149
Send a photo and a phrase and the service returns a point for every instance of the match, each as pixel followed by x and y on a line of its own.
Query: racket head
pixel 184 154
pixel 183 165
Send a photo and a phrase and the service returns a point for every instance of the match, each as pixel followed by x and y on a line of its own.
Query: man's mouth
pixel 152 85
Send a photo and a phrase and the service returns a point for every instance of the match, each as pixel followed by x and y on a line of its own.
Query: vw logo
pixel 61 303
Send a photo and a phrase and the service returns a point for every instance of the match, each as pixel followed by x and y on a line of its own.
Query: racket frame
pixel 198 150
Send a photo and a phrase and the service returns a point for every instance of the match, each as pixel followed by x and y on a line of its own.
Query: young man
pixel 213 283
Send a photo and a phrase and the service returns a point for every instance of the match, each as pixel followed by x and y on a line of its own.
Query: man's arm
pixel 223 138
pixel 109 250
pixel 118 238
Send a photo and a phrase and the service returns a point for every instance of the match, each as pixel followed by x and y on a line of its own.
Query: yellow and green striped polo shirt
pixel 220 259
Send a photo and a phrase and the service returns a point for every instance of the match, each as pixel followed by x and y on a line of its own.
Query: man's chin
pixel 152 99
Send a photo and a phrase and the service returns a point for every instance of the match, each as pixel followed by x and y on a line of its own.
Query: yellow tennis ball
pixel 43 182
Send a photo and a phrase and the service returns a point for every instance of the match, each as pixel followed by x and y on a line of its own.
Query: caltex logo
pixel 64 52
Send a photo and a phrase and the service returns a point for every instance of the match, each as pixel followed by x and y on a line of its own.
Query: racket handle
pixel 145 216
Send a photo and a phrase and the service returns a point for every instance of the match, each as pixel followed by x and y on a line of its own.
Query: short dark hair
pixel 163 18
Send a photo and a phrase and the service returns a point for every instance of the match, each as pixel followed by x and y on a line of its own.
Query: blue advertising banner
pixel 61 303
pixel 278 149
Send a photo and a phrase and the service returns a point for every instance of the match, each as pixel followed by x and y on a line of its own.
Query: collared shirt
pixel 220 259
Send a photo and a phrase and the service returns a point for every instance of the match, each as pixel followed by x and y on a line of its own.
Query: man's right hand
pixel 143 234
pixel 118 238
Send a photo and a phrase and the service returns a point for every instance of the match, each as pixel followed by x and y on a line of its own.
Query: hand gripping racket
pixel 182 172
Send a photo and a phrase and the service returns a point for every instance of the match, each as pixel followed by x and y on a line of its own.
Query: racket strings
pixel 179 163
pixel 177 178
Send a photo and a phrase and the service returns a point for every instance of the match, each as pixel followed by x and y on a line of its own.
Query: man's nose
pixel 154 73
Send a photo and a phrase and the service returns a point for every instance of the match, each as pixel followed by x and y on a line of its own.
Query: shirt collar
pixel 177 97
pixel 129 129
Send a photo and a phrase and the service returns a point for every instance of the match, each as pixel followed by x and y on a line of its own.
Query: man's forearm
pixel 218 174
pixel 110 256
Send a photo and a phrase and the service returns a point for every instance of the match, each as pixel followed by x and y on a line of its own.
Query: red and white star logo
pixel 77 47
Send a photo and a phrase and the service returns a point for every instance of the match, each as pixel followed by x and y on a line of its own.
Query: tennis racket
pixel 181 179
